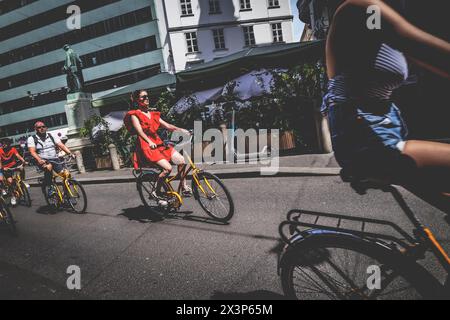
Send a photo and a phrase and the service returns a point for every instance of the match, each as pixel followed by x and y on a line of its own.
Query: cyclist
pixel 8 159
pixel 43 147
pixel 364 67
pixel 145 124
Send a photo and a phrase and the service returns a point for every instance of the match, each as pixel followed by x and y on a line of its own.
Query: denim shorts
pixel 366 134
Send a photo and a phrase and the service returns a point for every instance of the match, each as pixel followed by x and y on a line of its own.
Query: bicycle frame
pixel 65 175
pixel 17 179
pixel 423 237
pixel 195 171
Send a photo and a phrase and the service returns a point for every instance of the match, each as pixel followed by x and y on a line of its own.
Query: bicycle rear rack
pixel 295 217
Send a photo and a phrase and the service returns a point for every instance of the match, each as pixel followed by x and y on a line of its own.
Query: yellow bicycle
pixel 67 193
pixel 18 188
pixel 208 190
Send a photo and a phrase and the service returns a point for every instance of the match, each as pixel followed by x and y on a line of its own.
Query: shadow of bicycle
pixel 45 210
pixel 143 215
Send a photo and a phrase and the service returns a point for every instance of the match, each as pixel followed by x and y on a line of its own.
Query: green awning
pixel 220 71
pixel 154 83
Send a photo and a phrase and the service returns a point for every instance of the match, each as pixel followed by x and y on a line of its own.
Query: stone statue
pixel 73 68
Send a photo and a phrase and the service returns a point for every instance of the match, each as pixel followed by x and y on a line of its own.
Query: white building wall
pixel 231 20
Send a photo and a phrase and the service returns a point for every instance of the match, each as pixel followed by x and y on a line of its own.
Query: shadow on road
pixel 143 215
pixel 252 295
pixel 46 210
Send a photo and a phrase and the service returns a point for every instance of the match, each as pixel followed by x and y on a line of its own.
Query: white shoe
pixel 13 201
pixel 163 203
pixel 4 193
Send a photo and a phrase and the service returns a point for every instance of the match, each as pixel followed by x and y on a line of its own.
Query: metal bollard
pixel 114 157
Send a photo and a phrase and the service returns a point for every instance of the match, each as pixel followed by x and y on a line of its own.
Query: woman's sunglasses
pixel 41 127
pixel 143 98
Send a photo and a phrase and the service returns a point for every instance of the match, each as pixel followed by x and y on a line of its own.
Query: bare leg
pixel 166 170
pixel 178 159
pixel 428 154
pixel 433 161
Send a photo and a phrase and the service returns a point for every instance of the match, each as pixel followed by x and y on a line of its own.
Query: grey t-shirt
pixel 45 149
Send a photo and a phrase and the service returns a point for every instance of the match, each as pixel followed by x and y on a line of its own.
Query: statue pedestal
pixel 78 109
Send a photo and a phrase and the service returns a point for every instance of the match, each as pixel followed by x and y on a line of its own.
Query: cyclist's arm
pixel 421 47
pixel 35 155
pixel 63 147
pixel 19 157
pixel 171 127
pixel 137 126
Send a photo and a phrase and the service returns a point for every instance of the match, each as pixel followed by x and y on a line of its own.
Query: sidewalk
pixel 299 165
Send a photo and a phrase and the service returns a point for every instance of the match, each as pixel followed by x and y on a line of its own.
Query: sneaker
pixel 163 203
pixel 4 193
pixel 13 201
pixel 187 191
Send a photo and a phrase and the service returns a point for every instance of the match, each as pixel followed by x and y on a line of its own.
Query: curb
pixel 226 174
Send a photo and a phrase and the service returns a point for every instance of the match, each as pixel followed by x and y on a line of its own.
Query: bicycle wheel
pixel 76 196
pixel 25 194
pixel 213 197
pixel 343 267
pixel 7 217
pixel 146 186
pixel 52 201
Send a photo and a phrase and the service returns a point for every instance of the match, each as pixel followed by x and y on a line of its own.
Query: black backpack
pixel 36 141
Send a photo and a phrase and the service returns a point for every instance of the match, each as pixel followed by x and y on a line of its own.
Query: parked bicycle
pixel 326 259
pixel 18 188
pixel 6 217
pixel 208 190
pixel 66 193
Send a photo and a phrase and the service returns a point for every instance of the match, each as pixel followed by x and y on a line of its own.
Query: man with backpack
pixel 43 147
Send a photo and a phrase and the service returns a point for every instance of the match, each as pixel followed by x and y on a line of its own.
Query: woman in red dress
pixel 146 123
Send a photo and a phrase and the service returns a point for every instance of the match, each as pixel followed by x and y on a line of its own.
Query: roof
pixel 160 81
pixel 219 71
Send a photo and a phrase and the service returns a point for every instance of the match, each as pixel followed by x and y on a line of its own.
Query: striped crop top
pixel 389 72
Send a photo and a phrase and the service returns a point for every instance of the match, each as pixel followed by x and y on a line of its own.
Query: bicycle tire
pixel 312 250
pixel 9 219
pixel 54 202
pixel 25 194
pixel 146 184
pixel 79 190
pixel 204 199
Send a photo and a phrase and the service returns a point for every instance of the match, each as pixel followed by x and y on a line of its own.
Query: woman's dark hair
pixel 135 97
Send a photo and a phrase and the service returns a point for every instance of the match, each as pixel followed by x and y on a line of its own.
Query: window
pixel 186 7
pixel 274 4
pixel 214 6
pixel 245 5
pixel 277 32
pixel 219 39
pixel 191 40
pixel 249 36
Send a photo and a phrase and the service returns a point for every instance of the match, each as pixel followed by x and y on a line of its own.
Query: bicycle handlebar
pixel 167 143
pixel 13 168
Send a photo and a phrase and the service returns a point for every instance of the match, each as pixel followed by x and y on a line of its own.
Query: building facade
pixel 203 30
pixel 118 42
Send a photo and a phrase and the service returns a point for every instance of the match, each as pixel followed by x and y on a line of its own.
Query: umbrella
pixel 199 98
pixel 252 84
pixel 115 122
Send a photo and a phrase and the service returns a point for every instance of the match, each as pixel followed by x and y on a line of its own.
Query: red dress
pixel 144 155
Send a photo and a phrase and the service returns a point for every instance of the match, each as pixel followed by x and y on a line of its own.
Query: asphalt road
pixel 125 253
